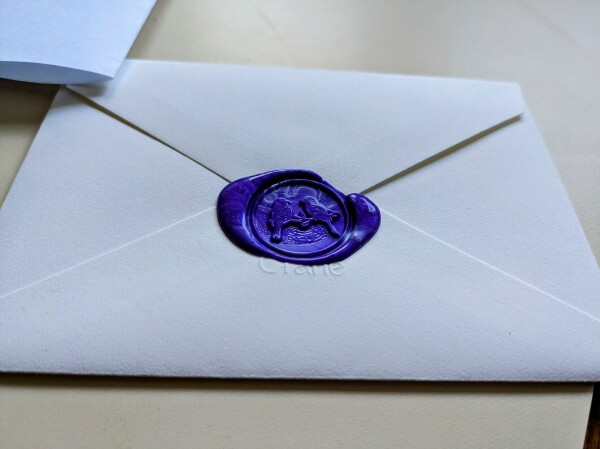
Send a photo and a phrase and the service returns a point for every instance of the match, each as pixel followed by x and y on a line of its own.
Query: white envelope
pixel 112 260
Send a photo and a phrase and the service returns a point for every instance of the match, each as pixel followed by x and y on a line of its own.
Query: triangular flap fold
pixel 355 129
pixel 90 183
pixel 502 200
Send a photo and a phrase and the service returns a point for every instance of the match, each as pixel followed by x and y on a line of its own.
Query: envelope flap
pixel 355 129
pixel 90 184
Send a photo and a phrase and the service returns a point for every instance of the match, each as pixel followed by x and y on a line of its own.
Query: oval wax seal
pixel 296 216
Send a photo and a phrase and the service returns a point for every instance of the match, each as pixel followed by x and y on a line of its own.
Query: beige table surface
pixel 551 47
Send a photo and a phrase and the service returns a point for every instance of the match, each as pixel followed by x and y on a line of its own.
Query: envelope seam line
pixel 137 128
pixel 442 154
pixel 105 253
pixel 495 268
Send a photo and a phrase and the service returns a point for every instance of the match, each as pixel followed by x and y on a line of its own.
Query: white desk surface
pixel 551 47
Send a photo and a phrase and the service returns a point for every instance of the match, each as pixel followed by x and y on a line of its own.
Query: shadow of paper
pixel 298 386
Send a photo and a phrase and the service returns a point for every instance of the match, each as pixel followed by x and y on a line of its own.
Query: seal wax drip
pixel 296 216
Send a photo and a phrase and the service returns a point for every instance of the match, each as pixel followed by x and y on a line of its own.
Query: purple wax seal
pixel 295 216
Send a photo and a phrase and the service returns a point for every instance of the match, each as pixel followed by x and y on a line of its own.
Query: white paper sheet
pixel 67 41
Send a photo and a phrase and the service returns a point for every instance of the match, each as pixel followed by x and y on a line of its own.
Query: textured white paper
pixel 67 41
pixel 92 184
pixel 186 302
pixel 360 128
pixel 480 270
